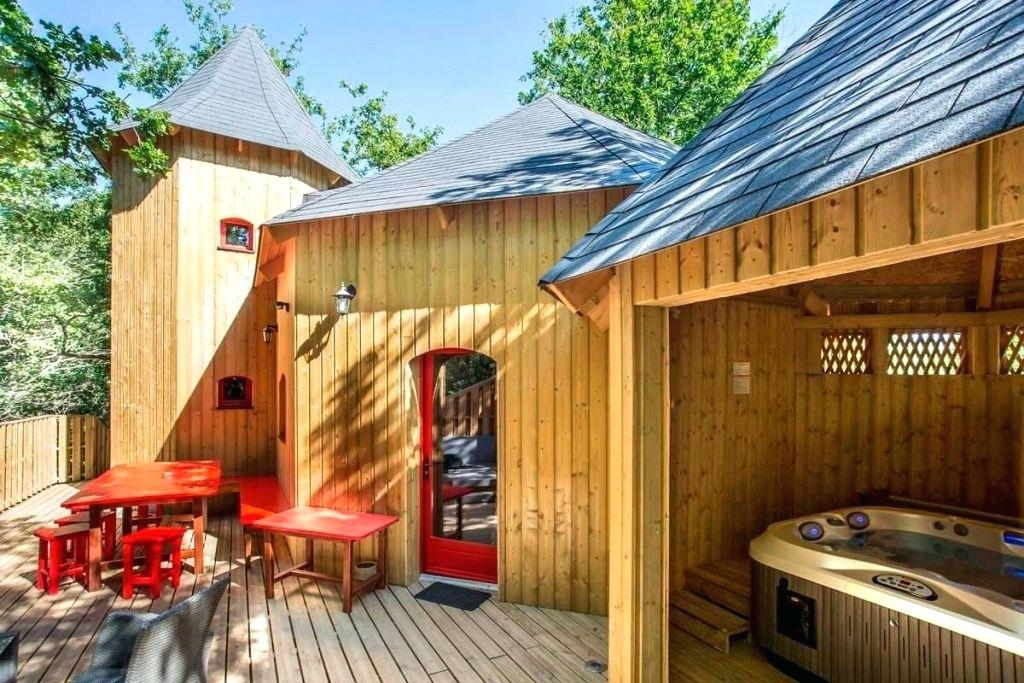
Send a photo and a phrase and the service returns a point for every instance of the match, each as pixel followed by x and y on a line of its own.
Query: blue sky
pixel 456 64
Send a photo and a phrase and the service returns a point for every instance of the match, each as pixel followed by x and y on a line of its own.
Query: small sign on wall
pixel 740 378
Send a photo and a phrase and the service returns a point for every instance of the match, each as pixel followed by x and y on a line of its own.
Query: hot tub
pixel 879 593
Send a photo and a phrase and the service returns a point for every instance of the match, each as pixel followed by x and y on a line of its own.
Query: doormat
pixel 453 596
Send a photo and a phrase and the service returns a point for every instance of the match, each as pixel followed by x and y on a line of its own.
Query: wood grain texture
pixel 801 441
pixel 38 452
pixel 183 312
pixel 952 440
pixel 861 641
pixel 638 494
pixel 466 282
pixel 732 454
pixel 968 198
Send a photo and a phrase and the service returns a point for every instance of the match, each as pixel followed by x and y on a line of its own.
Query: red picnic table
pixel 325 524
pixel 148 483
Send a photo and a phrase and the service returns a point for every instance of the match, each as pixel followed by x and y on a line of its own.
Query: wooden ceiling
pixel 990 278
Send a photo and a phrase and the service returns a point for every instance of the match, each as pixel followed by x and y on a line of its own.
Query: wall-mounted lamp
pixel 268 332
pixel 343 298
pixel 281 306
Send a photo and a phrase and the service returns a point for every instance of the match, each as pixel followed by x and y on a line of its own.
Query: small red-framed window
pixel 236 234
pixel 234 391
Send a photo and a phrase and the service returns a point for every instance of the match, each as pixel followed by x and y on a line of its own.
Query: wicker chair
pixel 172 646
pixel 8 657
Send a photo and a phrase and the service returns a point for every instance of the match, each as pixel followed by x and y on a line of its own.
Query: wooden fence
pixel 470 412
pixel 41 451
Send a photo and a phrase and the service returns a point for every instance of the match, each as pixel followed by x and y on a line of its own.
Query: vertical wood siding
pixel 800 442
pixel 953 440
pixel 460 277
pixel 185 313
pixel 731 455
pixel 40 451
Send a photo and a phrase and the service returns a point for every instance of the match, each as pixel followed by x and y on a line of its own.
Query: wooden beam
pixel 896 292
pixel 272 268
pixel 772 299
pixel 638 476
pixel 579 293
pixel 987 277
pixel 130 136
pixel 811 302
pixel 443 215
pixel 911 320
pixel 972 239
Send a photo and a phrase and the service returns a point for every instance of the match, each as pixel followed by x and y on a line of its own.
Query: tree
pixel 54 293
pixel 465 370
pixel 665 67
pixel 372 138
pixel 49 113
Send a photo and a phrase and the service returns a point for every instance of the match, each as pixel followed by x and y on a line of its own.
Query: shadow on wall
pixel 242 439
pixel 363 450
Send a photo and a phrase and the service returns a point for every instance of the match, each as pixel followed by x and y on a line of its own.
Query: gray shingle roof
pixel 239 92
pixel 549 145
pixel 872 87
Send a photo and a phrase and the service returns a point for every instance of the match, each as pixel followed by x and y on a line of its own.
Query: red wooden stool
pixel 55 560
pixel 108 524
pixel 154 573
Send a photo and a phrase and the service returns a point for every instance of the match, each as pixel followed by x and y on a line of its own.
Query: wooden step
pixel 725 583
pixel 706 621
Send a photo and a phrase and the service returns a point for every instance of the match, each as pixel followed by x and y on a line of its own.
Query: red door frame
pixel 444 556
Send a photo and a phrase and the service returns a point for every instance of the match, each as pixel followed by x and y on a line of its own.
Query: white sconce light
pixel 343 298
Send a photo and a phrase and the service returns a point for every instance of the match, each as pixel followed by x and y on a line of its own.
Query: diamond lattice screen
pixel 927 352
pixel 1011 350
pixel 845 352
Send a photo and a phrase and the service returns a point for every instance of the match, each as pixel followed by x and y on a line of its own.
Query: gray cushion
pixel 466 451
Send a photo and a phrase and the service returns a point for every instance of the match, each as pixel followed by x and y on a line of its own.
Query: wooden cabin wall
pixel 731 454
pixel 952 440
pixel 463 277
pixel 184 313
pixel 803 442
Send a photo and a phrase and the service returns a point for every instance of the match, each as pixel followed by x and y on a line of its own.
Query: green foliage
pixel 48 110
pixel 372 138
pixel 462 372
pixel 665 67
pixel 54 292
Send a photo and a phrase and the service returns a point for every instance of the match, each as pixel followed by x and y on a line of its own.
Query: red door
pixel 459 474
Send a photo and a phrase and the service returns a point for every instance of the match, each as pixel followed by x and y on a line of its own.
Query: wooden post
pixel 62 448
pixel 638 486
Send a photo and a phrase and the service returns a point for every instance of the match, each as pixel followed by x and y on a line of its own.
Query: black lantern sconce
pixel 343 298
pixel 268 333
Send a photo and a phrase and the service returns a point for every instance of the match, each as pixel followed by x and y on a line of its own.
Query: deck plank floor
pixel 304 636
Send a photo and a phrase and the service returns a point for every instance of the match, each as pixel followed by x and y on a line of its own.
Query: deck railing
pixel 41 451
pixel 471 412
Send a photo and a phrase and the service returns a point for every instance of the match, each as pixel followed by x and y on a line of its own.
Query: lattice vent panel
pixel 1011 350
pixel 927 352
pixel 845 352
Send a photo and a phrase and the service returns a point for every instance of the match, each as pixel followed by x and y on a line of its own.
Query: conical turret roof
pixel 239 92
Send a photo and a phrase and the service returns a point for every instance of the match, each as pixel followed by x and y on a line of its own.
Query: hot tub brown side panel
pixel 860 641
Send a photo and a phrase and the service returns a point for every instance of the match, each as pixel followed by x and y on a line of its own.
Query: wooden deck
pixel 305 636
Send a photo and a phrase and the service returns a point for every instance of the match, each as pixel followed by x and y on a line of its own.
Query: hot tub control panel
pixel 905 584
